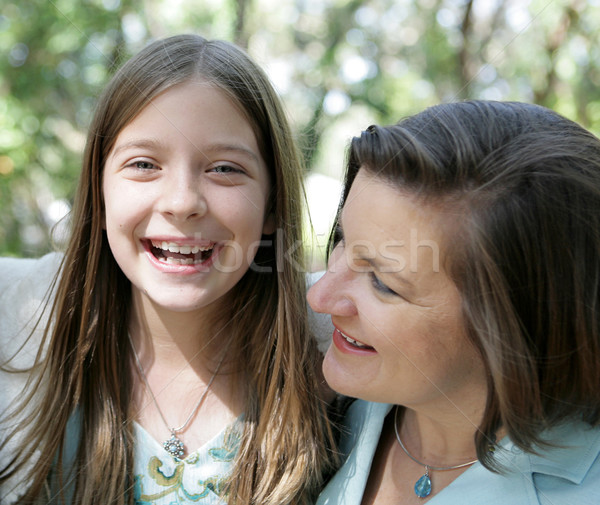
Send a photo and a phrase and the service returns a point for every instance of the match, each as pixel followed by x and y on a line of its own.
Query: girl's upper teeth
pixel 181 249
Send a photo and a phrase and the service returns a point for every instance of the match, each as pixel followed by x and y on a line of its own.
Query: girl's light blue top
pixel 566 474
pixel 159 478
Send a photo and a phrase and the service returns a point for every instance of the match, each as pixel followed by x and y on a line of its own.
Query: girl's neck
pixel 174 339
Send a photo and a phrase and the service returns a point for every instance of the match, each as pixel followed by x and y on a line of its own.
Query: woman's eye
pixel 338 235
pixel 380 286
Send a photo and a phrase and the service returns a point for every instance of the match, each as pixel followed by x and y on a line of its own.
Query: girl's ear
pixel 269 224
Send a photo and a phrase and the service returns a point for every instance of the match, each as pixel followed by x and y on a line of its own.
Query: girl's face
pixel 398 335
pixel 185 193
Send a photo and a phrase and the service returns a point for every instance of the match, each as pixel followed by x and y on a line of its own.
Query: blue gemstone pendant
pixel 423 485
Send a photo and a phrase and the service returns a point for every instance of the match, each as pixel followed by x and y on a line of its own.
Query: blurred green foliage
pixel 339 65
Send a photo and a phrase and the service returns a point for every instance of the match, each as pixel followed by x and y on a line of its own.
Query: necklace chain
pixel 173 445
pixel 423 484
pixel 436 468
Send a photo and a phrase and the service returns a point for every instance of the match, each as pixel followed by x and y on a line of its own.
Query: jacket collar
pixel 573 450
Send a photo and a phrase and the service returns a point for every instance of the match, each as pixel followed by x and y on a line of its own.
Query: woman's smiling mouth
pixel 354 343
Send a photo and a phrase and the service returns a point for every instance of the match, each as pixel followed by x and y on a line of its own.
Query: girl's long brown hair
pixel 285 451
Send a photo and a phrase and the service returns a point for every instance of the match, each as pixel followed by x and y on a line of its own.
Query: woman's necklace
pixel 423 484
pixel 174 446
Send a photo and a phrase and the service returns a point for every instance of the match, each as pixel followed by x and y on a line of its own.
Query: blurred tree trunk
pixel 341 20
pixel 555 40
pixel 240 32
pixel 464 59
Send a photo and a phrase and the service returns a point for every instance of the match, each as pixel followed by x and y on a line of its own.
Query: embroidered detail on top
pixel 181 481
pixel 231 443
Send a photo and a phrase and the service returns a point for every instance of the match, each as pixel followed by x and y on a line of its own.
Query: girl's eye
pixel 143 165
pixel 226 169
pixel 380 286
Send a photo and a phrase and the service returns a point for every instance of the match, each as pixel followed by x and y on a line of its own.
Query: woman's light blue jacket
pixel 566 474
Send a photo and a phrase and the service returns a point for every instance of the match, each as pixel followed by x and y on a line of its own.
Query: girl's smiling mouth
pixel 173 253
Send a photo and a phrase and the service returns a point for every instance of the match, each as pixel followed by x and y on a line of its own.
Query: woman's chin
pixel 339 377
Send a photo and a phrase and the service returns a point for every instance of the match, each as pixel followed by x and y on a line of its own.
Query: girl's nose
pixel 332 293
pixel 183 195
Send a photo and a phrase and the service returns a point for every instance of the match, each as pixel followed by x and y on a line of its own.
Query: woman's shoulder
pixel 565 471
pixel 360 435
pixel 570 465
pixel 362 425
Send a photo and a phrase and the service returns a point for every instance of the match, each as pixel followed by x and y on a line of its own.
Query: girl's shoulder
pixel 25 285
pixel 16 272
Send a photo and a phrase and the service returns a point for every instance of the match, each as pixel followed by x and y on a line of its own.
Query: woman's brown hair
pixel 519 190
pixel 285 450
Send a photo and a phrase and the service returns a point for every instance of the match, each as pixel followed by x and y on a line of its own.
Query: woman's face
pixel 398 336
pixel 186 191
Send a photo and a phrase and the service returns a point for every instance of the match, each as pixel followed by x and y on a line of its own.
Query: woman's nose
pixel 332 294
pixel 183 195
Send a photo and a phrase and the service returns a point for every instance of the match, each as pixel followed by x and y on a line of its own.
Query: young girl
pixel 177 366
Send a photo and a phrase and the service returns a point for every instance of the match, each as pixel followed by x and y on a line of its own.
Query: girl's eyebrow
pixel 139 144
pixel 237 148
pixel 158 144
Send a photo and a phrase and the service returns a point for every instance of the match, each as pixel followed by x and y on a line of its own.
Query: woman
pixel 464 290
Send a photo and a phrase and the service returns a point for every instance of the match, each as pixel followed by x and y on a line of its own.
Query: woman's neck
pixel 438 441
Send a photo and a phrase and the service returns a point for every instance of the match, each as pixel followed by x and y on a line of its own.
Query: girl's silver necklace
pixel 174 445
pixel 423 484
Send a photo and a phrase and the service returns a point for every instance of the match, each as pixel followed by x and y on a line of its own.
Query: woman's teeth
pixel 353 342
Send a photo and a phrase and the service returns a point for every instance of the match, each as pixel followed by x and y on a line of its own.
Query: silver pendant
pixel 174 446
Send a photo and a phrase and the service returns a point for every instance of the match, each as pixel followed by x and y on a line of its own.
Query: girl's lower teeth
pixel 186 261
